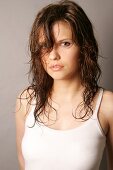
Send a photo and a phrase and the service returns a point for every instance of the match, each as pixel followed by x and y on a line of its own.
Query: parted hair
pixel 83 35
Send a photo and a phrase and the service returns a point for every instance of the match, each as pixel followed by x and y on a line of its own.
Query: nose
pixel 54 55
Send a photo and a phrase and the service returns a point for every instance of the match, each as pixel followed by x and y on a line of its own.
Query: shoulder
pixel 108 112
pixel 22 101
pixel 107 106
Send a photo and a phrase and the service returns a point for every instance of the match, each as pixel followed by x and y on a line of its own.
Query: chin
pixel 57 77
pixel 61 77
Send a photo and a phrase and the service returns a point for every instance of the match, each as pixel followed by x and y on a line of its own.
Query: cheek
pixel 71 57
pixel 44 62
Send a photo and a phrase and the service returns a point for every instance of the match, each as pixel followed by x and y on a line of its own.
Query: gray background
pixel 16 18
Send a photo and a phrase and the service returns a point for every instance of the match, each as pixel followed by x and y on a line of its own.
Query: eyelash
pixel 45 46
pixel 67 42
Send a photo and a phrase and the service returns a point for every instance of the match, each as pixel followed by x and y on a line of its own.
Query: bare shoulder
pixel 22 101
pixel 20 116
pixel 107 105
pixel 108 113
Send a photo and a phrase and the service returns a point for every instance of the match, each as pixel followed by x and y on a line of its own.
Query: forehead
pixel 60 30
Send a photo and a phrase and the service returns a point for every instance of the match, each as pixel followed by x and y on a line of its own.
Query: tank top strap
pixel 98 102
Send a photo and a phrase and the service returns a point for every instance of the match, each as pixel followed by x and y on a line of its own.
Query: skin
pixel 67 92
pixel 66 53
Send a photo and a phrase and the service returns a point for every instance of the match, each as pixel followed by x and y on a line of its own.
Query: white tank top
pixel 80 148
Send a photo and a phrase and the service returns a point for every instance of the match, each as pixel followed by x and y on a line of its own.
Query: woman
pixel 65 118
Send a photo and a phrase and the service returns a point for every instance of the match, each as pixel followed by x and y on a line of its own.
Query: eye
pixel 43 46
pixel 66 43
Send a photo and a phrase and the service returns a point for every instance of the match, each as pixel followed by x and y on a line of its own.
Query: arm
pixel 20 111
pixel 109 142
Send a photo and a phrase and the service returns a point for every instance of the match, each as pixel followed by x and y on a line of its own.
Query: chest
pixel 63 149
pixel 68 118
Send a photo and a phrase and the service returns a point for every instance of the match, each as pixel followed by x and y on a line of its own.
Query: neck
pixel 66 90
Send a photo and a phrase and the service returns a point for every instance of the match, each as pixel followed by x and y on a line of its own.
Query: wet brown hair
pixel 83 36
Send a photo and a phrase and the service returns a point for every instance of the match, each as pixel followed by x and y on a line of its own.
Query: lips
pixel 56 67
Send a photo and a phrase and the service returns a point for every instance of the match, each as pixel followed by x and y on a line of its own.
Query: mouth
pixel 56 67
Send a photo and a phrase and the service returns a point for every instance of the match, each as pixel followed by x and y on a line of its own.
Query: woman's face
pixel 64 55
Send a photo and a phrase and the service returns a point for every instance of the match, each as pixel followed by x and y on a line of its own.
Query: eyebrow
pixel 64 39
